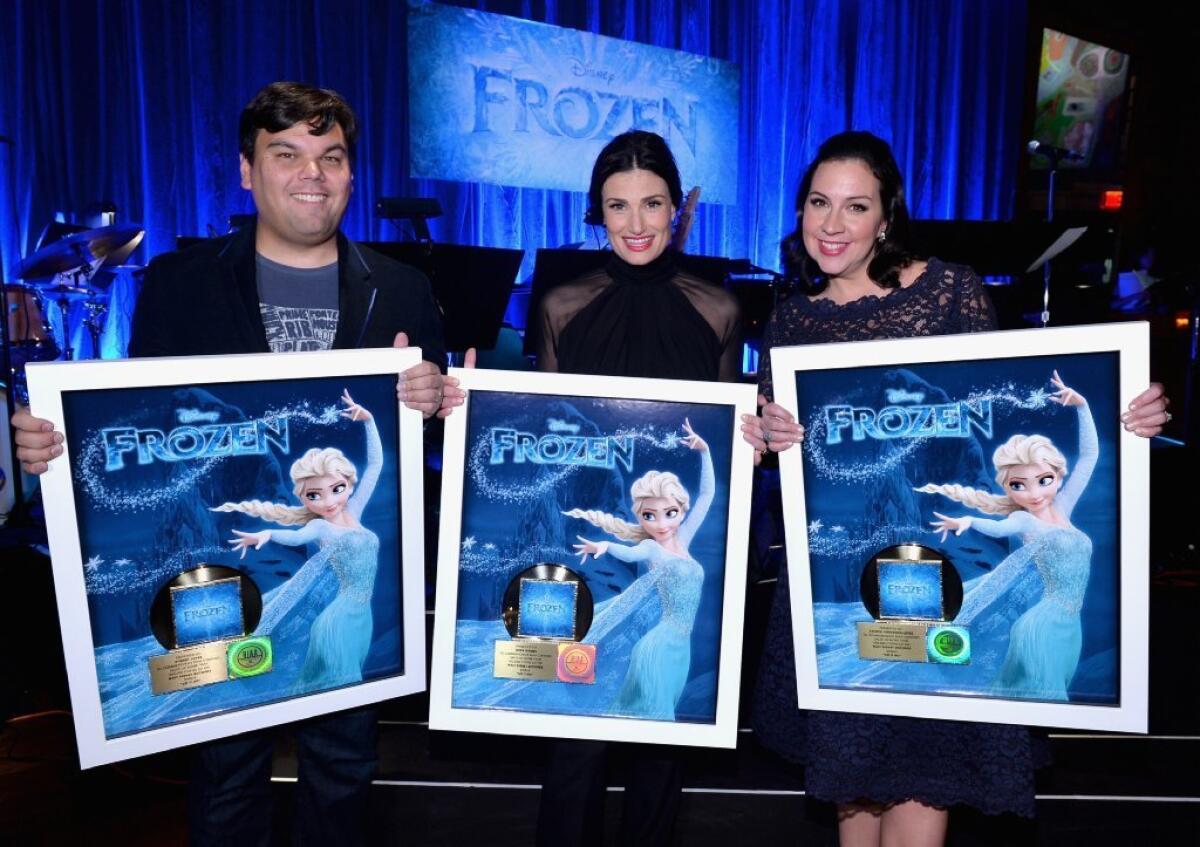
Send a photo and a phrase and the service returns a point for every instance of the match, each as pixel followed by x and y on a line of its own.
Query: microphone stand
pixel 1053 158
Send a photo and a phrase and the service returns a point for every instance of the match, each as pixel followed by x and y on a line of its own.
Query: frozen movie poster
pixel 963 527
pixel 632 498
pixel 285 491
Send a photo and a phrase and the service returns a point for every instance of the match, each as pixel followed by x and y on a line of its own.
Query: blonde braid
pixel 274 512
pixel 611 524
pixel 983 501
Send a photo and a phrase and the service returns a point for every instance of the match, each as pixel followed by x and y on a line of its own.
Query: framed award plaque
pixel 967 526
pixel 591 562
pixel 236 541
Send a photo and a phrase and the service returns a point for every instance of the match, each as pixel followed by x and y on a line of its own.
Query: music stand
pixel 416 210
pixel 471 285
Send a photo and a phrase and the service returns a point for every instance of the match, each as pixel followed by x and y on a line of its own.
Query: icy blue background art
pixel 142 525
pixel 514 102
pixel 861 498
pixel 513 518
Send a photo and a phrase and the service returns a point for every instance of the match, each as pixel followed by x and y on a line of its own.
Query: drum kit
pixel 75 269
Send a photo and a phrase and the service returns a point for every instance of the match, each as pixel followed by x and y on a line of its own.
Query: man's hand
pixel 37 442
pixel 420 386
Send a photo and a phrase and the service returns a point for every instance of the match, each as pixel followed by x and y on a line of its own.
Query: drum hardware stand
pixel 95 309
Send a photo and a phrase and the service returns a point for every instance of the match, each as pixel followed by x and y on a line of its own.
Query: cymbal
pixel 69 292
pixel 113 244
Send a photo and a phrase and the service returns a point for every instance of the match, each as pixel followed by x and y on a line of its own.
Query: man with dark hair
pixel 292 281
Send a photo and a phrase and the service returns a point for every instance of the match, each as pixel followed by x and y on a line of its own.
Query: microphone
pixel 1037 148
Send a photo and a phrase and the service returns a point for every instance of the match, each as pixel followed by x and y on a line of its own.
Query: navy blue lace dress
pixel 852 757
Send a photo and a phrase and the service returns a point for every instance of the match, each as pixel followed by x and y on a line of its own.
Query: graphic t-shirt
pixel 299 306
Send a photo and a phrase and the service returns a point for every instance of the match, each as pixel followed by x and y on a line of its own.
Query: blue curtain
pixel 137 101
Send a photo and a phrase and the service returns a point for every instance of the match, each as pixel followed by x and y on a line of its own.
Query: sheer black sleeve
pixel 558 307
pixel 722 313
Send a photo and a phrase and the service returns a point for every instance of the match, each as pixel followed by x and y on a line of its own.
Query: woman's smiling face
pixel 843 218
pixel 637 214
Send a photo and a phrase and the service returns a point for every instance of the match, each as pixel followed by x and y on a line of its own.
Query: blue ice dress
pixel 662 658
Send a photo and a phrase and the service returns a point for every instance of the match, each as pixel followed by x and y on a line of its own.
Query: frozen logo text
pixel 546 608
pixel 574 112
pixel 908 589
pixel 606 451
pixel 183 443
pixel 200 614
pixel 941 420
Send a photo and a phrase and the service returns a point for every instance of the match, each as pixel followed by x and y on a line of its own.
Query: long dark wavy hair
pixel 892 254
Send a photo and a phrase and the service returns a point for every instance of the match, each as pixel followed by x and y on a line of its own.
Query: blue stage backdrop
pixel 138 102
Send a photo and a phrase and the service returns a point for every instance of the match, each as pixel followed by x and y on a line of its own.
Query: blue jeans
pixel 229 796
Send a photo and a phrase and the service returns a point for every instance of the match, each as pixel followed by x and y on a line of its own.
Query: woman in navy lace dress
pixel 892 778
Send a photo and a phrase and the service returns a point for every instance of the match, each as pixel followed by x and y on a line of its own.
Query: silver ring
pixel 1169 416
pixel 766 436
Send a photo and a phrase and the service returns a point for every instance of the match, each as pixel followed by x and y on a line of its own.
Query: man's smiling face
pixel 301 185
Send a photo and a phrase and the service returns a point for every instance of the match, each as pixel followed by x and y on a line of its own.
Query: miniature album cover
pixel 591 552
pixel 964 529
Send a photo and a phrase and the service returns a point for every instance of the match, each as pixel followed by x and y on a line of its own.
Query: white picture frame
pixel 54 389
pixel 620 396
pixel 811 381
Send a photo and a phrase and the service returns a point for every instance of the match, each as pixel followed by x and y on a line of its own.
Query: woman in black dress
pixel 892 778
pixel 640 315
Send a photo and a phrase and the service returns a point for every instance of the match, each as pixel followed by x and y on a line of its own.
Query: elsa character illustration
pixel 661 659
pixel 332 502
pixel 1044 643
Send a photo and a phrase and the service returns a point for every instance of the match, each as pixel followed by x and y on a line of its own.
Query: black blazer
pixel 204 301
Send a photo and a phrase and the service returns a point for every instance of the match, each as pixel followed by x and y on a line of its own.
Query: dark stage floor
pixel 455 789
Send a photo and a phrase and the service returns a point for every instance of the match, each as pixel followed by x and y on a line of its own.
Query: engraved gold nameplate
pixel 190 667
pixel 526 659
pixel 896 641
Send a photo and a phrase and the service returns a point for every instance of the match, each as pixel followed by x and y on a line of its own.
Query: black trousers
pixel 229 795
pixel 573 792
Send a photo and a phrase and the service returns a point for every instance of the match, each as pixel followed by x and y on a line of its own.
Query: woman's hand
pixel 246 540
pixel 353 411
pixel 595 549
pixel 693 441
pixel 948 525
pixel 453 394
pixel 775 430
pixel 1146 416
pixel 1064 395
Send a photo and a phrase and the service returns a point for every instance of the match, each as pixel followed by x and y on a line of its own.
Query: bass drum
pixel 29 335
pixel 26 320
